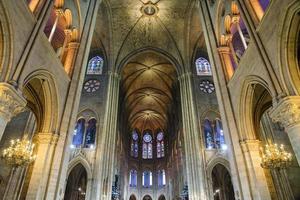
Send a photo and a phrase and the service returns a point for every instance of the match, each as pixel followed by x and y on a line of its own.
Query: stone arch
pixel 78 183
pixel 289 32
pixel 147 197
pixel 40 91
pixel 132 197
pixel 217 160
pixel 162 197
pixel 246 111
pixel 221 182
pixel 160 52
pixel 6 49
pixel 87 114
pixel 80 159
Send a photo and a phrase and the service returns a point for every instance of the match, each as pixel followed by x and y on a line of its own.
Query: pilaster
pixel 106 148
pixel 11 103
pixel 45 143
pixel 257 177
pixel 287 113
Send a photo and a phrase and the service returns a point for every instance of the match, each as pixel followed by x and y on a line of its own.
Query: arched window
pixel 133 178
pixel 95 66
pixel 90 135
pixel 147 179
pixel 219 135
pixel 203 67
pixel 147 146
pixel 161 178
pixel 78 133
pixel 134 146
pixel 160 146
pixel 208 134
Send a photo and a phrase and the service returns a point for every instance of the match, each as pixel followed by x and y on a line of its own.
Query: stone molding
pixel 12 101
pixel 250 145
pixel 287 111
pixel 46 138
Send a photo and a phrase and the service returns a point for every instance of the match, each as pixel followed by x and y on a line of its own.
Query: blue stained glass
pixel 147 179
pixel 95 65
pixel 78 133
pixel 90 133
pixel 208 131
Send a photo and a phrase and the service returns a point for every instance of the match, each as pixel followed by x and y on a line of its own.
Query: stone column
pixel 257 177
pixel 257 9
pixel 70 57
pixel 11 103
pixel 194 161
pixel 45 144
pixel 287 112
pixel 106 148
pixel 225 52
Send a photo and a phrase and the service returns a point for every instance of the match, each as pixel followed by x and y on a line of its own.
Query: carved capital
pixel 250 145
pixel 287 111
pixel 46 138
pixel 12 101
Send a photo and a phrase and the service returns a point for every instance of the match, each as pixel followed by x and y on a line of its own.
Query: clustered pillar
pixel 287 112
pixel 194 161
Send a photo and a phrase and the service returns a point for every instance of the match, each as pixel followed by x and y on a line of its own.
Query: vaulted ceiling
pixel 148 82
pixel 122 28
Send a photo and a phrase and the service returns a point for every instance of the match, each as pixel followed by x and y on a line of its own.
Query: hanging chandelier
pixel 275 157
pixel 19 153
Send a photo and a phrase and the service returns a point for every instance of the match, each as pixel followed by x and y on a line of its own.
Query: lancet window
pixel 133 178
pixel 95 66
pixel 134 146
pixel 147 146
pixel 161 178
pixel 160 145
pixel 84 134
pixel 203 67
pixel 147 179
pixel 214 135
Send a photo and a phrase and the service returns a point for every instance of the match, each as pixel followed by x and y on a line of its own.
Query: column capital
pixel 73 45
pixel 12 101
pixel 46 138
pixel 287 111
pixel 224 50
pixel 250 145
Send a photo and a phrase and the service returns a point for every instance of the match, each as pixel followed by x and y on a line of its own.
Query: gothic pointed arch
pixel 289 48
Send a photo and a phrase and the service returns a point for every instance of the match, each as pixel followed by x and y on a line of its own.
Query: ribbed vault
pixel 147 82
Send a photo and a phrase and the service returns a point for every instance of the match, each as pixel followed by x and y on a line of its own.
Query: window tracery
pixel 214 135
pixel 134 147
pixel 203 67
pixel 147 146
pixel 84 134
pixel 91 86
pixel 95 66
pixel 160 146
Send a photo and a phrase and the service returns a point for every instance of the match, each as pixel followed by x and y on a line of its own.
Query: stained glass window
pixel 133 178
pixel 134 149
pixel 90 135
pixel 160 146
pixel 208 135
pixel 219 135
pixel 203 67
pixel 147 146
pixel 78 133
pixel 95 66
pixel 147 179
pixel 161 178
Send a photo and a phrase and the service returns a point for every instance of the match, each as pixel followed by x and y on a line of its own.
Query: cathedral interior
pixel 150 99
